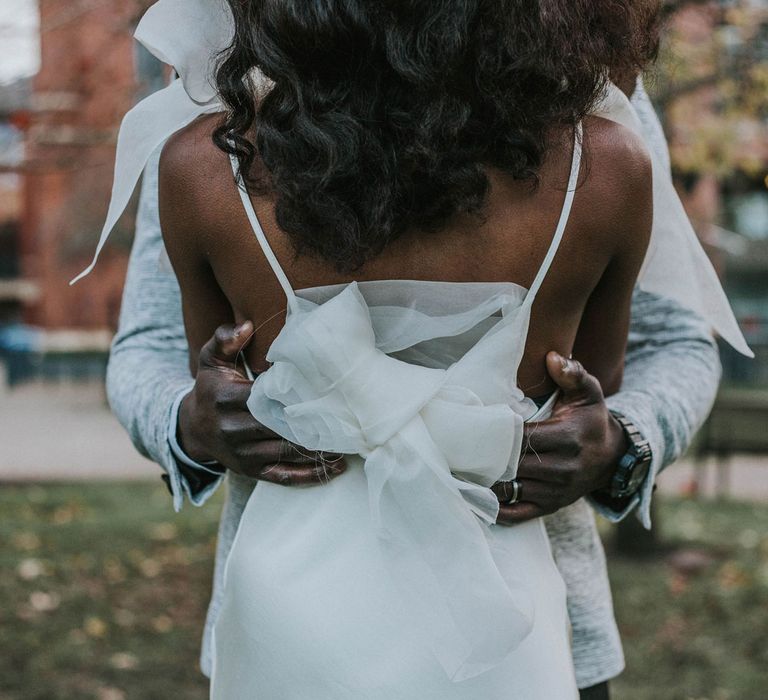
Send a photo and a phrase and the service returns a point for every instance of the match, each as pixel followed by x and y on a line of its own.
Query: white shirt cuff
pixel 173 440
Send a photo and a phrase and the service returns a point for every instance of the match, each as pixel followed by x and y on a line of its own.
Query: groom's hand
pixel 573 453
pixel 215 424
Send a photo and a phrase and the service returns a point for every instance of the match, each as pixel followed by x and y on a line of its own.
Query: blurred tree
pixel 711 86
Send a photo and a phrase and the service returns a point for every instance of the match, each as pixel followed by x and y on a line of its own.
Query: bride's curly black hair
pixel 383 113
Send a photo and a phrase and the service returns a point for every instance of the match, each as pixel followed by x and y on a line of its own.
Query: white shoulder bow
pixel 188 35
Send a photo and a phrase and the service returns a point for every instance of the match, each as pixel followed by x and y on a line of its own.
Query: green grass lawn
pixel 104 589
pixel 694 619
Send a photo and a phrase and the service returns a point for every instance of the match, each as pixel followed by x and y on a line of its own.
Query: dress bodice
pixel 419 379
pixel 426 323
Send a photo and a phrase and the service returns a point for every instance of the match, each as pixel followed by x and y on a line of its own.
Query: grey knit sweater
pixel 672 372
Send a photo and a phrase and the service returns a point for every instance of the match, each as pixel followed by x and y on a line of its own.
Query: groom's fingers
pixel 577 386
pixel 278 461
pixel 232 393
pixel 239 429
pixel 552 435
pixel 320 472
pixel 217 420
pixel 223 349
pixel 512 514
pixel 536 498
pixel 274 450
pixel 581 398
pixel 550 467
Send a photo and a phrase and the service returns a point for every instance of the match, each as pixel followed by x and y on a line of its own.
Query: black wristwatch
pixel 634 465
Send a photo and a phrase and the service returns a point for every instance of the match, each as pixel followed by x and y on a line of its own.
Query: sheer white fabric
pixel 433 440
pixel 418 429
pixel 438 602
pixel 676 265
pixel 191 34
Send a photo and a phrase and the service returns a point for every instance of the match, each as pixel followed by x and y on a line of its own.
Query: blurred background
pixel 104 588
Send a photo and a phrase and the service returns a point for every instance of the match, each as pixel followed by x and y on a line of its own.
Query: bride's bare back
pixel 583 306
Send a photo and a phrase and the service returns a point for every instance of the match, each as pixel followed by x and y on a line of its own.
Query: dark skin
pixel 582 309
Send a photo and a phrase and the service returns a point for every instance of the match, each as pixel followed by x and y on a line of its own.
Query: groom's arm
pixel 672 366
pixel 670 382
pixel 148 371
pixel 164 410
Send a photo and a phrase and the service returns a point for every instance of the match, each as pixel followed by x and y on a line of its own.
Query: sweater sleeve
pixel 670 382
pixel 148 372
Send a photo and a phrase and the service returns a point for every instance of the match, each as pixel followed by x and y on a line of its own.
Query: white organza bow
pixel 188 35
pixel 675 265
pixel 330 388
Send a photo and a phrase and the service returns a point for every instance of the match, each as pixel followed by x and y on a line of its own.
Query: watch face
pixel 639 473
pixel 635 465
pixel 632 472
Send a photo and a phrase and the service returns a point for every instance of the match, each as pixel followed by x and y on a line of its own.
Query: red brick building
pixel 90 75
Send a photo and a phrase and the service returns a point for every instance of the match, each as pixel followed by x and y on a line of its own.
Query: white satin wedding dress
pixel 392 582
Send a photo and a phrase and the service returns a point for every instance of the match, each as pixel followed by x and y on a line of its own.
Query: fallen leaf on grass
pixel 109 693
pixel 162 624
pixel 114 571
pixel 163 532
pixel 731 575
pixel 178 555
pixel 63 515
pixel 150 568
pixel 30 569
pixel 678 584
pixel 124 661
pixel 690 561
pixel 673 633
pixel 40 601
pixel 25 541
pixel 124 618
pixel 95 627
pixel 82 562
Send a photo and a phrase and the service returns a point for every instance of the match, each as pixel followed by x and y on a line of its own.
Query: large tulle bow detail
pixel 432 448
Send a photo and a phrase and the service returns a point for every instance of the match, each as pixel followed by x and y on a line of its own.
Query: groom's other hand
pixel 216 426
pixel 573 453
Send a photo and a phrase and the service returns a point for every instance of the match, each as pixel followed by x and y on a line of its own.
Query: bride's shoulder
pixel 196 189
pixel 616 184
pixel 610 148
pixel 617 163
pixel 192 167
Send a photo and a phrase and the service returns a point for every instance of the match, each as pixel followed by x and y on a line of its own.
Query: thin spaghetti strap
pixel 261 237
pixel 565 214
